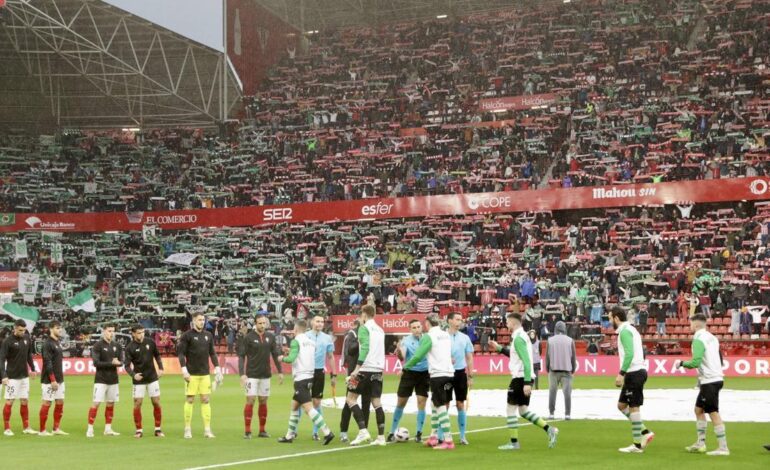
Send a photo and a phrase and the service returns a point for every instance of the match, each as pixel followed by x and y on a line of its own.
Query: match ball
pixel 401 435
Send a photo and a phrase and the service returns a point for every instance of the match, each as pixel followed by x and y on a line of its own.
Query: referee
pixel 462 358
pixel 196 347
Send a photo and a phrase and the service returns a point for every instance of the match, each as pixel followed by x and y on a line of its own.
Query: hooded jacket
pixel 561 355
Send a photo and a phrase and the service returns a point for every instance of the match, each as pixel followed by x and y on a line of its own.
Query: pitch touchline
pixel 319 452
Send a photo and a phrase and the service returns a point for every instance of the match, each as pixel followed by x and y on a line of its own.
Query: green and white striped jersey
pixel 371 347
pixel 436 344
pixel 706 358
pixel 301 357
pixel 520 359
pixel 630 350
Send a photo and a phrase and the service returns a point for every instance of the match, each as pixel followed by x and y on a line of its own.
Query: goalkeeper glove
pixel 218 377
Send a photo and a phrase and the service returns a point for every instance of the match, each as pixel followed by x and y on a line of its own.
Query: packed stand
pixel 648 91
pixel 568 266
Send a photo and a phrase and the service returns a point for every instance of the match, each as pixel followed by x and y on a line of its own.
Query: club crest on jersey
pixel 147 346
pixel 114 349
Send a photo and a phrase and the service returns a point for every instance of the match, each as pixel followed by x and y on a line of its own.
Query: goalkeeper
pixel 195 348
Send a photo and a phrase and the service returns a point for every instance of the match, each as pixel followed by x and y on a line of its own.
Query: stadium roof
pixel 87 64
pixel 309 15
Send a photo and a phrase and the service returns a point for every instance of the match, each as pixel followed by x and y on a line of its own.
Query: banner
pixel 182 259
pixel 9 281
pixel 57 253
pixel 28 284
pixel 657 366
pixel 515 103
pixel 389 323
pixel 704 191
pixel 21 249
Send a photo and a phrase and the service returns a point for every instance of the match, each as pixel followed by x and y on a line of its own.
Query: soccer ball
pixel 401 435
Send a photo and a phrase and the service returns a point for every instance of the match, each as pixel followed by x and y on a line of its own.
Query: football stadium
pixel 370 233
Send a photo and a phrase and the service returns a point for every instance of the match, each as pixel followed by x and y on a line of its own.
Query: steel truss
pixel 95 65
pixel 309 15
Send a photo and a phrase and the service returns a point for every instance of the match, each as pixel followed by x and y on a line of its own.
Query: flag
pixel 21 249
pixel 28 284
pixel 83 300
pixel 30 315
pixel 148 232
pixel 182 259
pixel 7 219
pixel 57 255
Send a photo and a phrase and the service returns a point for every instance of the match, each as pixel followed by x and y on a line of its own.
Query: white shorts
pixel 152 390
pixel 106 393
pixel 258 387
pixel 17 389
pixel 50 395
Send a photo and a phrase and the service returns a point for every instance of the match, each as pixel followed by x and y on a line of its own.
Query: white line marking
pixel 325 451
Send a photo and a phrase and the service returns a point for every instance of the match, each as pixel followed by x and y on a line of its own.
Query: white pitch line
pixel 319 452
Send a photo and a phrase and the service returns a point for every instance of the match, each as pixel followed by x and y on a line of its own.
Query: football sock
pixel 248 414
pixel 721 436
pixel 443 421
pixel 92 415
pixel 380 416
pixel 44 415
pixel 138 417
pixel 262 416
pixel 315 428
pixel 293 421
pixel 7 415
pixel 318 421
pixel 534 418
pixel 345 419
pixel 636 428
pixel 108 413
pixel 157 413
pixel 420 420
pixel 206 415
pixel 397 414
pixel 513 422
pixel 462 422
pixel 188 413
pixel 24 411
pixel 58 412
pixel 358 415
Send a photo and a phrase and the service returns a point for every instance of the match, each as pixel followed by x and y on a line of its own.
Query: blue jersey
pixel 410 343
pixel 461 345
pixel 323 344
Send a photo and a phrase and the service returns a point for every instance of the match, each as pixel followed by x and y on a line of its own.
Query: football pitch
pixel 582 443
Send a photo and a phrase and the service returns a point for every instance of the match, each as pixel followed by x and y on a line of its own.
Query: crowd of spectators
pixel 648 91
pixel 568 266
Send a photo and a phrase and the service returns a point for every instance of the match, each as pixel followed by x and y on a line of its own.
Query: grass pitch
pixel 582 443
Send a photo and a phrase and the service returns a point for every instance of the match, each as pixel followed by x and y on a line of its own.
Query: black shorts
pixel 459 386
pixel 319 378
pixel 440 390
pixel 708 398
pixel 632 392
pixel 302 391
pixel 369 385
pixel 414 382
pixel 516 393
